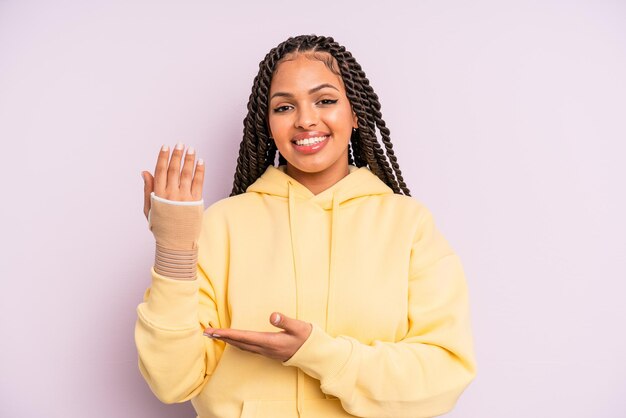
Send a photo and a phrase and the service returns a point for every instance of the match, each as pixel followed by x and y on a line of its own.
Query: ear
pixel 355 120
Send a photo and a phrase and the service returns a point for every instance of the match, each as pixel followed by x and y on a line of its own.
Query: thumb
pixel 281 321
pixel 148 187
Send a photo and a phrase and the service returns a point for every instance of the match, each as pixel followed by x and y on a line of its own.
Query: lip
pixel 311 149
pixel 309 134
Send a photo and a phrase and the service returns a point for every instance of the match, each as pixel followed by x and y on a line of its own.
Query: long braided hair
pixel 257 151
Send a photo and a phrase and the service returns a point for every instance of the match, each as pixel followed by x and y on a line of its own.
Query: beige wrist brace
pixel 176 229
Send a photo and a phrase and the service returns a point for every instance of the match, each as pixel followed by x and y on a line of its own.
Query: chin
pixel 313 167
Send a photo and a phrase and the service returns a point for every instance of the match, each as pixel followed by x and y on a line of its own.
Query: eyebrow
pixel 313 90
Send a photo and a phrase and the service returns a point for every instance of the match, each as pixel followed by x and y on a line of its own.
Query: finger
pixel 160 172
pixel 173 171
pixel 281 352
pixel 148 187
pixel 259 339
pixel 243 346
pixel 187 172
pixel 198 180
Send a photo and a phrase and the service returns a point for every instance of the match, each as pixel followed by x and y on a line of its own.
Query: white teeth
pixel 311 141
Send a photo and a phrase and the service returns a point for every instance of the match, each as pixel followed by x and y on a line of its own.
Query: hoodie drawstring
pixel 296 262
pixel 333 243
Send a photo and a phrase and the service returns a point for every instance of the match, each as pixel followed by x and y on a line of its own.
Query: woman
pixel 319 288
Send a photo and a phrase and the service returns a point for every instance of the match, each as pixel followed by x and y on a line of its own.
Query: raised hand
pixel 169 181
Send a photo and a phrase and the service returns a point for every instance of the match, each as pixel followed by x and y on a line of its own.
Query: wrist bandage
pixel 176 229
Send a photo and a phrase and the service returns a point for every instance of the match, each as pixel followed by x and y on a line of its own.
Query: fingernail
pixel 277 319
pixel 179 146
pixel 200 161
pixel 143 177
pixel 191 151
pixel 164 148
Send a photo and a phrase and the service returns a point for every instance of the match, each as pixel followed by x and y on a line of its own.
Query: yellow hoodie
pixel 385 294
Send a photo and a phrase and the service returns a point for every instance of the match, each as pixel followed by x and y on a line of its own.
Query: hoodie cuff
pixel 171 304
pixel 321 356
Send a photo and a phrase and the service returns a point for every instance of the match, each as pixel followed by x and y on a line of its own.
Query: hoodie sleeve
pixel 175 359
pixel 421 375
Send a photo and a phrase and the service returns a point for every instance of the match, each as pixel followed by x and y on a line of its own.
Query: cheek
pixel 341 120
pixel 280 131
pixel 276 126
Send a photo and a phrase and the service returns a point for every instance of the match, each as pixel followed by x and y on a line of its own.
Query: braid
pixel 257 150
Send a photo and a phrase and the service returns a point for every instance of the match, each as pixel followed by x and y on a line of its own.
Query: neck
pixel 319 181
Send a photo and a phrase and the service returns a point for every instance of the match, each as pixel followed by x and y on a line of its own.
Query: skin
pixel 297 104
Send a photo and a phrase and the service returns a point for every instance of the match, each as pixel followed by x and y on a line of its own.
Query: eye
pixel 328 101
pixel 281 109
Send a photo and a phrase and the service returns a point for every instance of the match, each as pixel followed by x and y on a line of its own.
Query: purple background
pixel 508 118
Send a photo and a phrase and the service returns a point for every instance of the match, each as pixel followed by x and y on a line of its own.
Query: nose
pixel 307 117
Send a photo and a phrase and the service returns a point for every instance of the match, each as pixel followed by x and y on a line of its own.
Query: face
pixel 310 119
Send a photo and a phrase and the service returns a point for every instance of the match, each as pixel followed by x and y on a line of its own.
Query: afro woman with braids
pixel 319 287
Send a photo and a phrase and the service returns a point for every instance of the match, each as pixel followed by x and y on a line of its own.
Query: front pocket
pixel 273 409
pixel 326 408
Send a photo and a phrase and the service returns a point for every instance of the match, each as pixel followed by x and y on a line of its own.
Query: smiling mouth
pixel 310 141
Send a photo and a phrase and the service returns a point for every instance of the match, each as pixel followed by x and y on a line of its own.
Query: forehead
pixel 302 72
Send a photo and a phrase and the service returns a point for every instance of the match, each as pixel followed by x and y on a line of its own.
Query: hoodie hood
pixel 359 182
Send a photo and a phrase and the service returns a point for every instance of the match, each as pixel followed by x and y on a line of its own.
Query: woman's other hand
pixel 169 181
pixel 276 345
